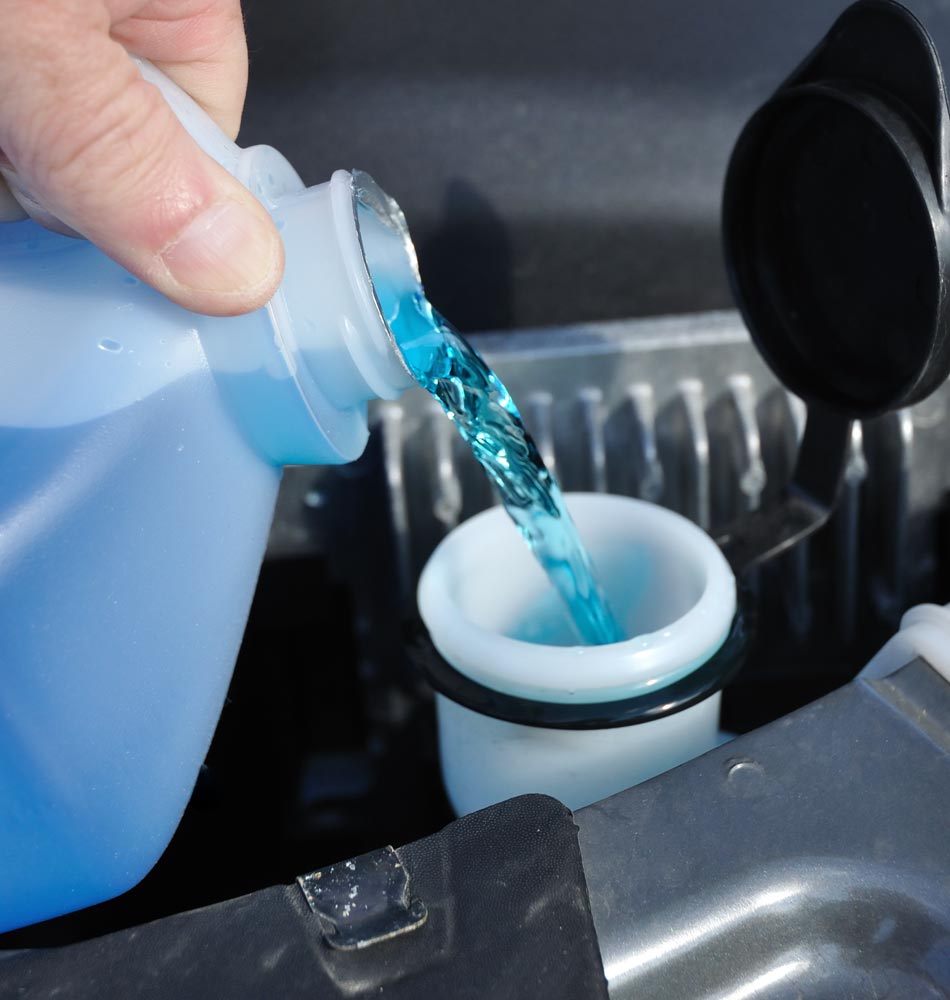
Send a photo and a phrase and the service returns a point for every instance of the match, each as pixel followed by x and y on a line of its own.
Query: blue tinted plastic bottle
pixel 141 447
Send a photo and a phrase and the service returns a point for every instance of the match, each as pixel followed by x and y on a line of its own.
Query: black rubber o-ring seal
pixel 712 676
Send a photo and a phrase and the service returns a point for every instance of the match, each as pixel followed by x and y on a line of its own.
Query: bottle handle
pixel 197 122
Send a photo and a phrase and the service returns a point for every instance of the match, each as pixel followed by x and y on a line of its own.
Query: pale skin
pixel 100 149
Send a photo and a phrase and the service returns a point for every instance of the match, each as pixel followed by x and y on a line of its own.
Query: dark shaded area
pixel 481 294
pixel 590 140
pixel 796 657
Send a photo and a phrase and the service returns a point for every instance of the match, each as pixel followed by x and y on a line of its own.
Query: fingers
pixel 100 148
pixel 200 45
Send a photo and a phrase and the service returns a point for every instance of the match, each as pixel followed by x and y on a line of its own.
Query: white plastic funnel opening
pixel 493 615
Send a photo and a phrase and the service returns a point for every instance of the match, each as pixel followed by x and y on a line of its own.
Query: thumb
pixel 97 146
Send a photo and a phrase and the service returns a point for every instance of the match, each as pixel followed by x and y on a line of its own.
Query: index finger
pixel 199 44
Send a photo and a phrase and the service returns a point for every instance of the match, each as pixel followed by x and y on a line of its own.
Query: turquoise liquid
pixel 479 405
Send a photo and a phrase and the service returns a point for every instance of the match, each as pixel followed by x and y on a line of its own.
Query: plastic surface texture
pixel 806 859
pixel 141 447
pixel 508 918
pixel 834 217
pixel 491 614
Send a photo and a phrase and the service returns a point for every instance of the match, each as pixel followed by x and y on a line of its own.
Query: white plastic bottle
pixel 141 448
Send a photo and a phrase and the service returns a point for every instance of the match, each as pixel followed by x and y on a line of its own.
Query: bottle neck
pixel 301 375
pixel 328 312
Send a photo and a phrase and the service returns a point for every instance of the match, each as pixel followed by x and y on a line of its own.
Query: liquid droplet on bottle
pixel 108 344
pixel 130 279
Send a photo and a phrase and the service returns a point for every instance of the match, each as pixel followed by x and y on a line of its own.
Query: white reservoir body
pixel 492 615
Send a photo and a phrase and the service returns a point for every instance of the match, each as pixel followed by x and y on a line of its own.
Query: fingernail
pixel 227 248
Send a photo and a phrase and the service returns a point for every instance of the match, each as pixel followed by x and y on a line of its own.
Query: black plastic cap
pixel 835 232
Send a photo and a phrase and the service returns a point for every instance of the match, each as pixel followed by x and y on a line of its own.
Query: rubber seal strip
pixel 711 677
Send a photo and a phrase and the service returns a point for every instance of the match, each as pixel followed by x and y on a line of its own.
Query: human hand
pixel 101 150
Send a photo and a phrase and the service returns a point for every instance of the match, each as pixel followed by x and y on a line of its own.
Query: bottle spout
pixel 350 265
pixel 301 371
pixel 389 256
